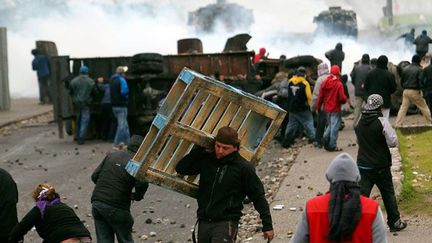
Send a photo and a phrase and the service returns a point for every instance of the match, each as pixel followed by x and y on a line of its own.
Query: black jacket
pixel 426 78
pixel 422 43
pixel 358 77
pixel 113 183
pixel 59 223
pixel 336 56
pixel 8 201
pixel 410 78
pixel 224 183
pixel 374 137
pixel 381 81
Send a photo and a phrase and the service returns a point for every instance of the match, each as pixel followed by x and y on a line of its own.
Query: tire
pixel 147 57
pixel 307 61
pixel 147 67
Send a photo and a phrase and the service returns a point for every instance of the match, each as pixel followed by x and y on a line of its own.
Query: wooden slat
pixel 239 118
pixel 228 115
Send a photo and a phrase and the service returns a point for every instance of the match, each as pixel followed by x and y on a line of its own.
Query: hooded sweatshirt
pixel 381 81
pixel 299 94
pixel 331 92
pixel 260 55
pixel 374 136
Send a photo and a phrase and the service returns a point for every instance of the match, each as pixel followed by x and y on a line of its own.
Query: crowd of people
pixel 344 214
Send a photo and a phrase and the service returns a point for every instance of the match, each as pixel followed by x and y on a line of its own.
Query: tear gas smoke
pixel 82 28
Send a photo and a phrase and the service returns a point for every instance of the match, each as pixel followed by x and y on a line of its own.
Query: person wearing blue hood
pixel 119 100
pixel 342 214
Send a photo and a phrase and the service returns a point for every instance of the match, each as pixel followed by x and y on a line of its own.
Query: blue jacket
pixel 41 65
pixel 119 91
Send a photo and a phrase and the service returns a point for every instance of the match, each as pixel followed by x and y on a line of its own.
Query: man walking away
pixel 8 202
pixel 119 101
pixel 112 195
pixel 299 108
pixel 358 77
pixel 342 214
pixel 374 137
pixel 381 81
pixel 80 89
pixel 422 44
pixel 226 178
pixel 336 56
pixel 40 64
pixel 332 96
pixel 412 94
pixel 323 73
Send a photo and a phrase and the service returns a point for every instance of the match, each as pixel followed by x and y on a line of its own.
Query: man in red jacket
pixel 332 95
pixel 342 214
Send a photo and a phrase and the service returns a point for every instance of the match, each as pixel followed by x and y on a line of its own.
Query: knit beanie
pixel 228 135
pixel 343 168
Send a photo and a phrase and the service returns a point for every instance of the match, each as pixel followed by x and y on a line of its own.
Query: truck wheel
pixel 301 61
pixel 147 57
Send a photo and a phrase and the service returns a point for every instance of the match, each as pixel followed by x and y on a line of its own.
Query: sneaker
pixel 398 226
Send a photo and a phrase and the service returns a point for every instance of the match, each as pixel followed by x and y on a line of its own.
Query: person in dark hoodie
pixel 412 93
pixel 422 44
pixel 226 178
pixel 336 56
pixel 54 221
pixel 112 195
pixel 342 214
pixel 332 96
pixel 358 77
pixel 381 81
pixel 8 202
pixel 374 137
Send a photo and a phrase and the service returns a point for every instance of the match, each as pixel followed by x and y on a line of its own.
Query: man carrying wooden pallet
pixel 226 178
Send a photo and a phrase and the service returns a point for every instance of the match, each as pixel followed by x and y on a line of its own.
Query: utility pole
pixel 4 75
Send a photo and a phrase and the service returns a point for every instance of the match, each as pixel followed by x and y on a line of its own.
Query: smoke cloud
pixel 92 28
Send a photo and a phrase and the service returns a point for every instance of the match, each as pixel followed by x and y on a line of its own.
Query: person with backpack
pixel 299 104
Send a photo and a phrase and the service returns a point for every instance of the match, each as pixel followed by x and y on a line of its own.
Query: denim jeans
pixel 122 133
pixel 382 178
pixel 82 121
pixel 296 120
pixel 110 221
pixel 332 131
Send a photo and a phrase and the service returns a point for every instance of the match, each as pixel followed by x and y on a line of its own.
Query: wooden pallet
pixel 194 109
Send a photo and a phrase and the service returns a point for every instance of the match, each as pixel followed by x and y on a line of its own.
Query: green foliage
pixel 417 168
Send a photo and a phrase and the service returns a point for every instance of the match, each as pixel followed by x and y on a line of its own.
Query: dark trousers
pixel 107 122
pixel 216 232
pixel 320 126
pixel 44 90
pixel 110 221
pixel 382 178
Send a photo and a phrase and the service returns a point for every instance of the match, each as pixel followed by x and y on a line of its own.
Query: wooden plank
pixel 227 117
pixel 239 117
pixel 244 99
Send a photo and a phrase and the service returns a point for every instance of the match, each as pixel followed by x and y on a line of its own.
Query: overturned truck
pixel 149 78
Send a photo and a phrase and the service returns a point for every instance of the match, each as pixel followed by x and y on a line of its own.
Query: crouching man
pixel 226 178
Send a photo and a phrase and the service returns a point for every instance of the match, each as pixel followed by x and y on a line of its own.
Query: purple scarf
pixel 42 203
